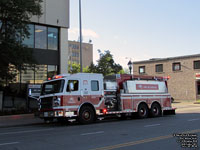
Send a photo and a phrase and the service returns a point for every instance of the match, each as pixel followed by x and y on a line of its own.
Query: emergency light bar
pixel 60 76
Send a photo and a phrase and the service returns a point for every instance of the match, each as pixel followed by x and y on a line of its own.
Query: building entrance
pixel 198 89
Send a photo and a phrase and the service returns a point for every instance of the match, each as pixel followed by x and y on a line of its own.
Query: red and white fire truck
pixel 88 96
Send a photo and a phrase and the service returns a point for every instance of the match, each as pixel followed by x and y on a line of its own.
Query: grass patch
pixel 198 100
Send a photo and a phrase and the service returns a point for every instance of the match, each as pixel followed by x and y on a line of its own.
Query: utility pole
pixel 80 24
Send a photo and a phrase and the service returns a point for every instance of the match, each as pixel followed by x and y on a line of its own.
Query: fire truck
pixel 89 96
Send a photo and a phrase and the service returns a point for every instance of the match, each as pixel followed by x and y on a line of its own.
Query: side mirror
pixel 71 87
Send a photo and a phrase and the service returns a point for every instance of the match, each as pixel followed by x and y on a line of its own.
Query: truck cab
pixel 67 96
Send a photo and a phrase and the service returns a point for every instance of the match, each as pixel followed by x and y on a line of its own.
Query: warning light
pixel 58 77
pixel 167 77
pixel 104 110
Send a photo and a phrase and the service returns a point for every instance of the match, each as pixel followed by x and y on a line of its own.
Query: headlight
pixel 57 101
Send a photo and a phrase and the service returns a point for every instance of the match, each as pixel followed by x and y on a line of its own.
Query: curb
pixel 19 120
pixel 196 102
pixel 20 125
pixel 17 117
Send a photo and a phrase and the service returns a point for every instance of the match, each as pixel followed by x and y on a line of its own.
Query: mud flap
pixel 169 112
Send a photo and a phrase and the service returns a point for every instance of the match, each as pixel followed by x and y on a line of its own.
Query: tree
pixel 106 64
pixel 75 68
pixel 14 18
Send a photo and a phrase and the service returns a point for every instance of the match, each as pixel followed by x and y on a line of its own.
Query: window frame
pixel 157 68
pixel 67 88
pixel 140 67
pixel 97 81
pixel 46 37
pixel 174 64
pixel 31 34
pixel 49 27
pixel 196 66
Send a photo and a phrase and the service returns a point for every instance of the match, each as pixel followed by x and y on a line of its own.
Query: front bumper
pixel 57 113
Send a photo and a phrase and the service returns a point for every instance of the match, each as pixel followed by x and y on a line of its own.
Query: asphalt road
pixel 160 133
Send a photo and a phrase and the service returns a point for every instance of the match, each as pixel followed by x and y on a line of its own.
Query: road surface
pixel 161 133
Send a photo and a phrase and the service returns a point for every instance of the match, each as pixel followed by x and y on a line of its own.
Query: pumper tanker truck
pixel 89 96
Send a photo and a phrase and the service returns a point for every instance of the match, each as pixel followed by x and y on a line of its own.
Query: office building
pixel 74 53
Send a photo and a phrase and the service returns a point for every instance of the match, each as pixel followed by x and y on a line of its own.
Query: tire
pixel 143 111
pixel 155 110
pixel 48 120
pixel 86 115
pixel 123 117
pixel 62 120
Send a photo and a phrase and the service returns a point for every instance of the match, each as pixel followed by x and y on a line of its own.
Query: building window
pixel 176 66
pixel 141 69
pixel 159 68
pixel 40 37
pixel 29 41
pixel 52 71
pixel 94 86
pixel 26 76
pixel 40 73
pixel 52 38
pixel 75 54
pixel 197 64
pixel 74 46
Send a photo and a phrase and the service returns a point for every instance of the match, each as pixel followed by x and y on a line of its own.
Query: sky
pixel 138 29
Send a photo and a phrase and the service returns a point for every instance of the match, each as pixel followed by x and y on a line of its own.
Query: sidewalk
pixel 19 120
pixel 183 104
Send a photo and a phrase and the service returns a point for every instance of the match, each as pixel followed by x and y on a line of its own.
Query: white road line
pixel 29 131
pixel 99 132
pixel 3 144
pixel 193 119
pixel 152 125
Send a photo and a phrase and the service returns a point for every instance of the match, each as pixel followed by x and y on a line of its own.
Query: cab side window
pixel 74 85
pixel 94 85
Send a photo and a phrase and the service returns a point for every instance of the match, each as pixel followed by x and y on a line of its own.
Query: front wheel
pixel 142 111
pixel 86 115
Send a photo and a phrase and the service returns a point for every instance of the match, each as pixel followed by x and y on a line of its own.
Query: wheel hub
pixel 142 111
pixel 86 115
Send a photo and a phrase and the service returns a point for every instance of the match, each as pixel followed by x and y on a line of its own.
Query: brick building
pixel 184 73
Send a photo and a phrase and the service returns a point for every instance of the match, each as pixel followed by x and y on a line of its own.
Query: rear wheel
pixel 86 115
pixel 142 111
pixel 155 110
pixel 122 117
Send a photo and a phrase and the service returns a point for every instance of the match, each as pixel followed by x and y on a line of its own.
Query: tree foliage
pixel 106 65
pixel 76 68
pixel 14 18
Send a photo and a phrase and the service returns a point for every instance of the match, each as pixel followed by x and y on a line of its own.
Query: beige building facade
pixel 183 73
pixel 74 53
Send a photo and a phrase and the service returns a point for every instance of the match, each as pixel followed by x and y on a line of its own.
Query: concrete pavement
pixel 19 120
pixel 30 119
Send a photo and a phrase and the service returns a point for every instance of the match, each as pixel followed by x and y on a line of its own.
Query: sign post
pixel 33 92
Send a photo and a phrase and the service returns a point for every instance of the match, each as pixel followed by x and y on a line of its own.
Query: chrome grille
pixel 46 103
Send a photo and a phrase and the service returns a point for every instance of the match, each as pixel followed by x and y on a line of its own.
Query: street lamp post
pixel 130 65
pixel 80 24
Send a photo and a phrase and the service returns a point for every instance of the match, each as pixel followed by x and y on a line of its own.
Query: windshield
pixel 52 87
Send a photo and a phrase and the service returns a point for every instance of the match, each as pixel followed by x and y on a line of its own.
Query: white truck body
pixel 87 96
